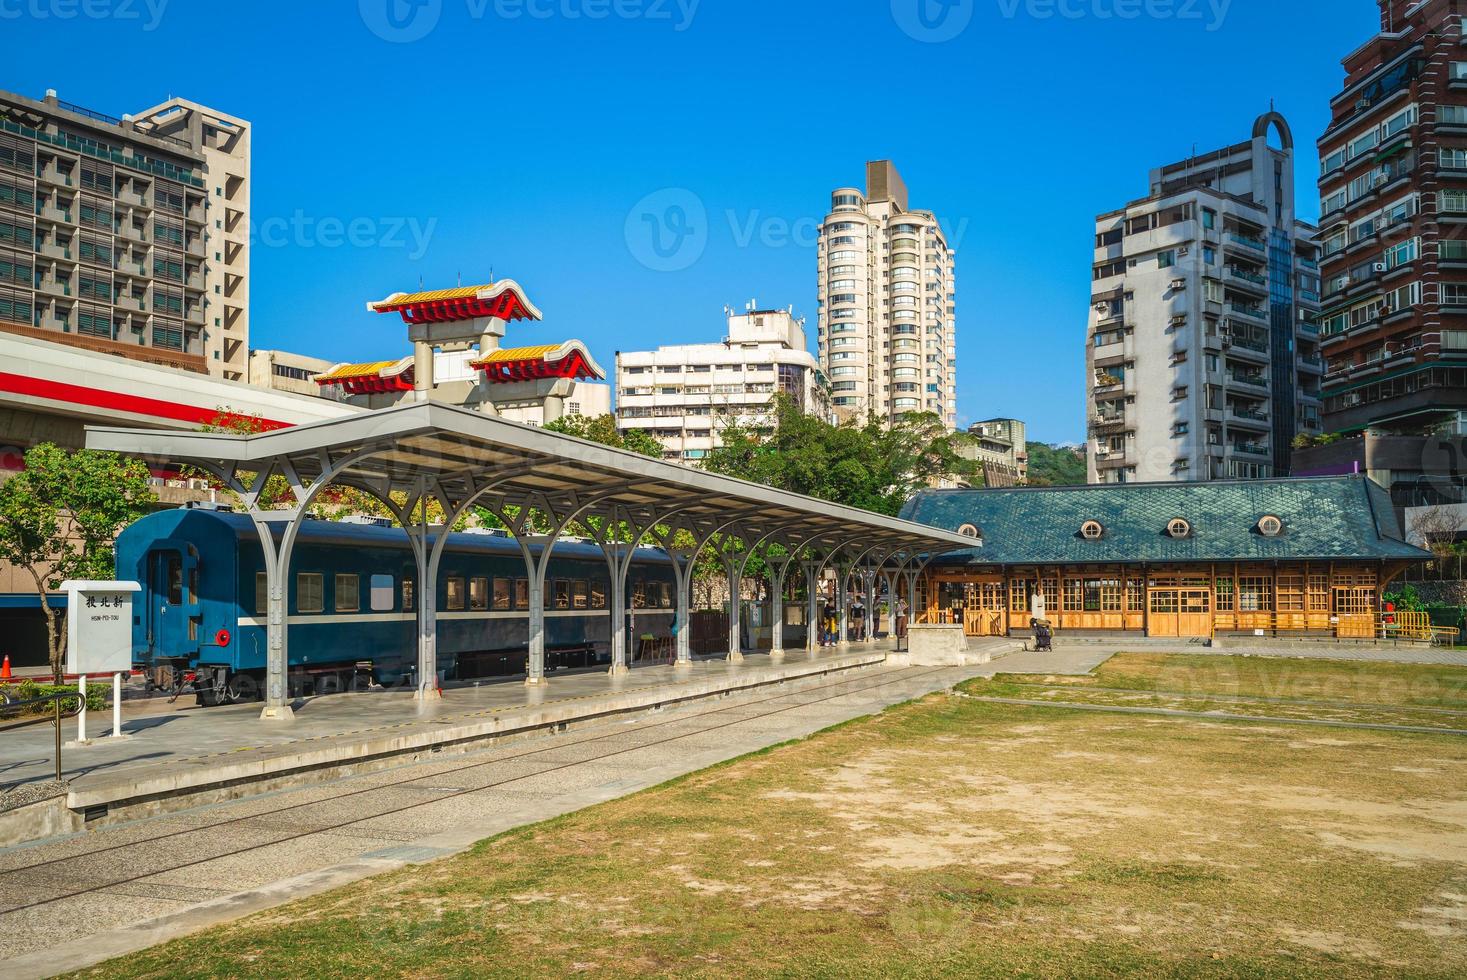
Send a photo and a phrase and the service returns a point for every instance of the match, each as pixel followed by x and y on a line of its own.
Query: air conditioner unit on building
pixel 1382 179
pixel 1380 267
pixel 1179 284
pixel 1184 250
pixel 1363 104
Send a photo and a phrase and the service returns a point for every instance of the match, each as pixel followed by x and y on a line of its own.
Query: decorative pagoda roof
pixel 567 360
pixel 371 378
pixel 504 299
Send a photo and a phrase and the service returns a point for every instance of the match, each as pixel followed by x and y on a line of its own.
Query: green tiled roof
pixel 1341 517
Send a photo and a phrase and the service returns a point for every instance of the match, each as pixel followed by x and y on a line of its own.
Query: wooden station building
pixel 1287 556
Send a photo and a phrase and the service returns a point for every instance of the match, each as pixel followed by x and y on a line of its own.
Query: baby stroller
pixel 1043 636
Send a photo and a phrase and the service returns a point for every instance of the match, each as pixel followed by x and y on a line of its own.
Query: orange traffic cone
pixel 5 669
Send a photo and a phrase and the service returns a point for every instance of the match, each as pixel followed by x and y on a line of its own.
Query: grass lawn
pixel 956 837
pixel 1417 695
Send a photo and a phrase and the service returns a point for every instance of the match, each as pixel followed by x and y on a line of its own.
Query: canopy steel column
pixel 868 579
pixel 750 550
pixel 780 574
pixel 477 486
pixel 685 563
pixel 619 563
pixel 277 556
pixel 812 597
pixel 559 512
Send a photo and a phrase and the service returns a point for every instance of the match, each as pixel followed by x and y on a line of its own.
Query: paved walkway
pixel 1450 656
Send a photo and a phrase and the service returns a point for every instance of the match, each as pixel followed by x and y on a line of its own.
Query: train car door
pixel 173 615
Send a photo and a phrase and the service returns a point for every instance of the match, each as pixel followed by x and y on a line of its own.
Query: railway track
pixel 52 880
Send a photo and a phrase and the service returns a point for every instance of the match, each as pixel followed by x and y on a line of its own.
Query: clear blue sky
pixel 527 135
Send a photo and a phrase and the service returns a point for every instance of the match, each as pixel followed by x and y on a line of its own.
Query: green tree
pixel 602 429
pixel 1055 466
pixel 59 518
pixel 867 464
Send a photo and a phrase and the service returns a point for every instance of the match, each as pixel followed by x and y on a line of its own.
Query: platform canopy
pixel 463 459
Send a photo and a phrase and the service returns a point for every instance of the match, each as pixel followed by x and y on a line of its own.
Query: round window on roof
pixel 1092 530
pixel 1179 528
pixel 970 531
pixel 1270 526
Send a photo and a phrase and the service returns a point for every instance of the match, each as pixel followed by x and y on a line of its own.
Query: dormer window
pixel 1179 529
pixel 970 531
pixel 1270 526
pixel 1092 530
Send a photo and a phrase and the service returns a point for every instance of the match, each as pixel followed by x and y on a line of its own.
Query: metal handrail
pixel 6 704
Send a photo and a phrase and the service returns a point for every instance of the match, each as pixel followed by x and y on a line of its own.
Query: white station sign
pixel 99 626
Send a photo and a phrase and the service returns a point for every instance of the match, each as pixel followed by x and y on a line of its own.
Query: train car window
pixel 501 593
pixel 175 580
pixel 262 593
pixel 381 586
pixel 478 593
pixel 455 597
pixel 193 584
pixel 522 593
pixel 639 595
pixel 348 592
pixel 578 594
pixel 664 592
pixel 562 594
pixel 310 589
pixel 598 595
pixel 408 594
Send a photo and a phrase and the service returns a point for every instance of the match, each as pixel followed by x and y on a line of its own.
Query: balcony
pixel 1247 241
pixel 1249 417
pixel 1105 422
pixel 1247 340
pixel 1251 380
pixel 1248 276
pixel 1254 312
pixel 1251 449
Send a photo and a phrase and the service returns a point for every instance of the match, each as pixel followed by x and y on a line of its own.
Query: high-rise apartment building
pixel 128 236
pixel 887 321
pixel 1203 336
pixel 1001 446
pixel 1393 227
pixel 680 395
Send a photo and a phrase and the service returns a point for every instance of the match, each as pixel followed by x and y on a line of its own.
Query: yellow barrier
pixel 1406 626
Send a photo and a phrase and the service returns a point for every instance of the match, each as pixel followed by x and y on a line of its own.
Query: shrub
pixel 98 698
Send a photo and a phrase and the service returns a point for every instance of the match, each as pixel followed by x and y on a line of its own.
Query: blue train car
pixel 352 612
